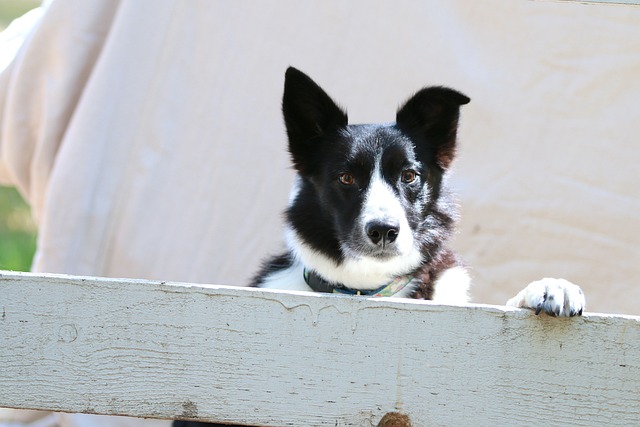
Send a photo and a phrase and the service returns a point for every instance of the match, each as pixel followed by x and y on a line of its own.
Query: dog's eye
pixel 346 179
pixel 409 176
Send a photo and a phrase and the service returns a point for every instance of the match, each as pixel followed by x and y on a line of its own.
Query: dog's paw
pixel 556 297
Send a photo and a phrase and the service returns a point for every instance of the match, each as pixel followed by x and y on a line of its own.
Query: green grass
pixel 11 9
pixel 17 230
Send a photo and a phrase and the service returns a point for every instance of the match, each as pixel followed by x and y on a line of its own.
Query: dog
pixel 370 212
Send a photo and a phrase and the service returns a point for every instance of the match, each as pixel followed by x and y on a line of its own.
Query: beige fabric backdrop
pixel 147 134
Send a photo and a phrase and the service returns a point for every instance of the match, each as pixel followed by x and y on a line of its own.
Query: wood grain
pixel 248 356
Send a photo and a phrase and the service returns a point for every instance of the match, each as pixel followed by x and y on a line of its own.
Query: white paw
pixel 556 297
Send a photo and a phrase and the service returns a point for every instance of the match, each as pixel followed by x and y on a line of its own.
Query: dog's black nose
pixel 384 232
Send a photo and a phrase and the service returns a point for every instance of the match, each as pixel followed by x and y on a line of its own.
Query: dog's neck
pixel 318 284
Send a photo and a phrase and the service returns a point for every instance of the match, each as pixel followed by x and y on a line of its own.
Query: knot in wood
pixel 67 333
pixel 394 419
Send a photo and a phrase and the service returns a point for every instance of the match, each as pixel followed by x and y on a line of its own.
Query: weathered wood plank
pixel 169 350
pixel 613 2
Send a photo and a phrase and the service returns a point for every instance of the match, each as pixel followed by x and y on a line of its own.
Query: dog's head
pixel 367 195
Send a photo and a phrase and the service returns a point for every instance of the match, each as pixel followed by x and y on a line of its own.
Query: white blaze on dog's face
pixel 382 225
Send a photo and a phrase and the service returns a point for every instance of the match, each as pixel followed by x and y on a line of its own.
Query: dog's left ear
pixel 432 115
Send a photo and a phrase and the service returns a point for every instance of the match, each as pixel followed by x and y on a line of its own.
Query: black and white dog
pixel 370 212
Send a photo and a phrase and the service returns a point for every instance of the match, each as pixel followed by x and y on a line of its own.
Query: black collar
pixel 318 284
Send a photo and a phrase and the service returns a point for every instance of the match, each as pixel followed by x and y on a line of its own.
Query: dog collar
pixel 318 284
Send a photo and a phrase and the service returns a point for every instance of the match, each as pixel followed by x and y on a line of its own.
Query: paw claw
pixel 556 297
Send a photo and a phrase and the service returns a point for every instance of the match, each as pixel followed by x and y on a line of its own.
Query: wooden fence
pixel 257 357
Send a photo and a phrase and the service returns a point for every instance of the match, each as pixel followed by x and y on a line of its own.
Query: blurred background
pixel 17 230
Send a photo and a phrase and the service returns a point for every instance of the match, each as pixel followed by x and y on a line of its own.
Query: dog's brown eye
pixel 346 179
pixel 409 176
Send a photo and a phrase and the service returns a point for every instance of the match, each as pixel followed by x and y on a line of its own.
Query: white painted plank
pixel 164 350
pixel 614 2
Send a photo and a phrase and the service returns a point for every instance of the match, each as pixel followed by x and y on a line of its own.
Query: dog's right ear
pixel 432 115
pixel 308 113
